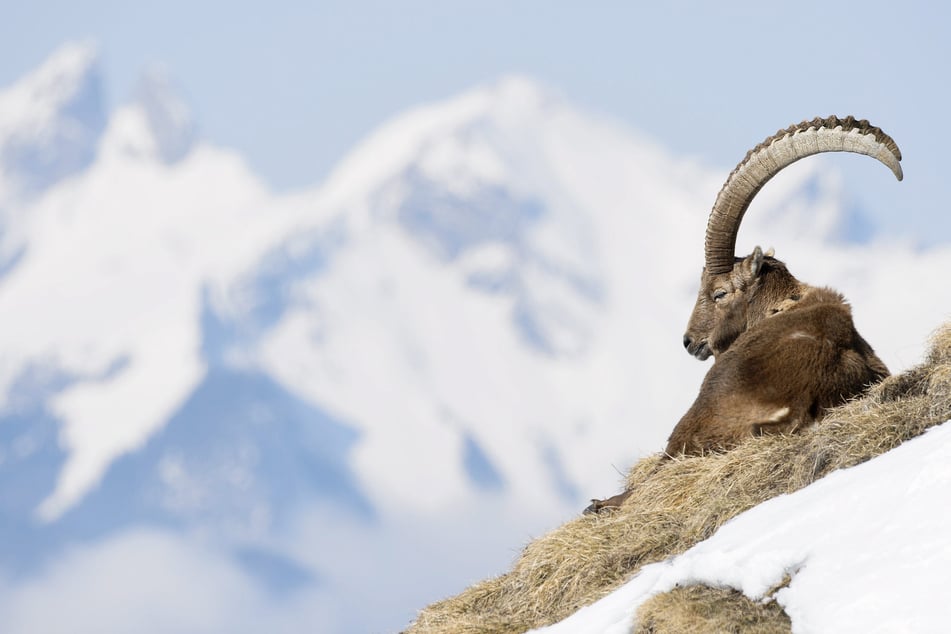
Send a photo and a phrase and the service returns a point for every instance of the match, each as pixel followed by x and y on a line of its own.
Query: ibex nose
pixel 687 341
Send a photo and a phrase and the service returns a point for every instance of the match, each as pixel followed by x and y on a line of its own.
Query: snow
pixel 866 548
pixel 50 121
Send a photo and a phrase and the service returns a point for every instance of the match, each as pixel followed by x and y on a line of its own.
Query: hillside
pixel 733 582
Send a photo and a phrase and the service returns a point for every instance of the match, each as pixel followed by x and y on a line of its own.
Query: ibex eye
pixel 719 295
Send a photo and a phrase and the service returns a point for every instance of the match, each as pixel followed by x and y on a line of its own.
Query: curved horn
pixel 772 155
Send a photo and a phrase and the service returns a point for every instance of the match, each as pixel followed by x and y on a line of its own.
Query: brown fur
pixel 780 375
pixel 785 352
pixel 759 286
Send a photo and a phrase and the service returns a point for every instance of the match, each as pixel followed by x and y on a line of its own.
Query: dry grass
pixel 677 503
pixel 701 609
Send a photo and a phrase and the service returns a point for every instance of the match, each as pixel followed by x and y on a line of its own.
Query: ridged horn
pixel 772 155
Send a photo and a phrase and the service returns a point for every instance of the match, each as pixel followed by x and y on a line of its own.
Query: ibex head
pixel 730 303
pixel 736 293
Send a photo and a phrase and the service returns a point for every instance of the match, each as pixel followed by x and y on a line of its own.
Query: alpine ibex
pixel 784 351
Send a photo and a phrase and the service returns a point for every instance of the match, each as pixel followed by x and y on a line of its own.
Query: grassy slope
pixel 680 502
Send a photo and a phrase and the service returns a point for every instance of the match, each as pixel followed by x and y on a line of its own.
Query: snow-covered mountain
pixel 370 392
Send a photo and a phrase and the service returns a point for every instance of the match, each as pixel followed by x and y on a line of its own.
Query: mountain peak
pixel 169 117
pixel 51 119
pixel 519 89
pixel 72 59
pixel 512 102
pixel 156 125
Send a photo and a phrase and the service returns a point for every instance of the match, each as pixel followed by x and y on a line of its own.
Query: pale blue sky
pixel 294 85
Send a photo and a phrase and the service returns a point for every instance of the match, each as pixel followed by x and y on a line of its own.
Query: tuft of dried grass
pixel 701 609
pixel 678 503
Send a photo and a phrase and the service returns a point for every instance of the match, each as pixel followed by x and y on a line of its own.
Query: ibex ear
pixel 754 262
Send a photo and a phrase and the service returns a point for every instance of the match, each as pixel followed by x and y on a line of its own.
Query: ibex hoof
pixel 596 506
pixel 612 503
